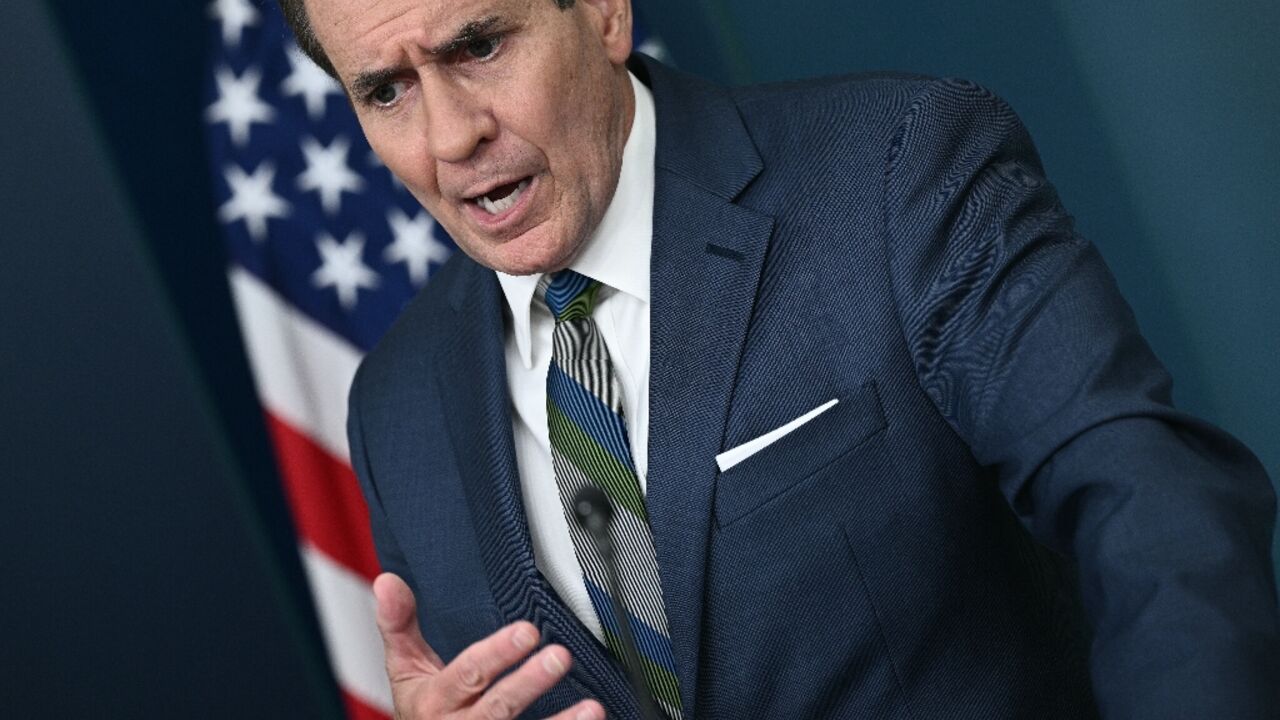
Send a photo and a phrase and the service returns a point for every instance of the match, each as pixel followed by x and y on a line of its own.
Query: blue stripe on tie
pixel 589 413
pixel 565 286
pixel 651 643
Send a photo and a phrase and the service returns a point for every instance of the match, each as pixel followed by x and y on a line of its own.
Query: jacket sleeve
pixel 1021 339
pixel 390 558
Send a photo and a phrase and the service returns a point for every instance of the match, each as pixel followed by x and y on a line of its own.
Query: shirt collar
pixel 617 253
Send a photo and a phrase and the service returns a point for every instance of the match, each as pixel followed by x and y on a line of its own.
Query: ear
pixel 614 22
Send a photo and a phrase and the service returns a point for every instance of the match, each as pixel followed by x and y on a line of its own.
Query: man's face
pixel 506 119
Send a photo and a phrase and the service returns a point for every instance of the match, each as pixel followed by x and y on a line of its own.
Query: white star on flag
pixel 308 80
pixel 415 244
pixel 343 269
pixel 235 16
pixel 238 104
pixel 252 199
pixel 327 172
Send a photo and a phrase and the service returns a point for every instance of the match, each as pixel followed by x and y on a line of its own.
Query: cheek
pixel 395 145
pixel 411 168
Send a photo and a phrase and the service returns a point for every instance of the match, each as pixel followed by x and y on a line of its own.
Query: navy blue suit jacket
pixel 1004 516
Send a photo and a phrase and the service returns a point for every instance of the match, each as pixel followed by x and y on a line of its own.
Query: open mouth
pixel 502 198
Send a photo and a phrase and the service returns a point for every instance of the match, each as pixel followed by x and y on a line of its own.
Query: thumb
pixel 407 654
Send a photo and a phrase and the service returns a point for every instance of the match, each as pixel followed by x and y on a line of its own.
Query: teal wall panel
pixel 139 578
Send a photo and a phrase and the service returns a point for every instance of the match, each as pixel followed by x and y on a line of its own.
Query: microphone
pixel 594 512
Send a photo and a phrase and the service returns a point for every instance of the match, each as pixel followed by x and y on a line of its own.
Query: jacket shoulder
pixel 411 336
pixel 895 91
pixel 862 96
pixel 833 122
pixel 824 114
pixel 868 84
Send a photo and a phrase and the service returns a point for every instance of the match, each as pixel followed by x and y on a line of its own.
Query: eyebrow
pixel 366 82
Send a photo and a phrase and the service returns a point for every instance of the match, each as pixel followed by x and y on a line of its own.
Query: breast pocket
pixel 784 466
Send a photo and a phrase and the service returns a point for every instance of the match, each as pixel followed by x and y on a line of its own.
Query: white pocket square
pixel 733 456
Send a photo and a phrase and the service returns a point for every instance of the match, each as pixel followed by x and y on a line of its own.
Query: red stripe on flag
pixel 324 494
pixel 357 710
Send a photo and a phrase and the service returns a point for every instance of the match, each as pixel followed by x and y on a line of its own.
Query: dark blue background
pixel 149 563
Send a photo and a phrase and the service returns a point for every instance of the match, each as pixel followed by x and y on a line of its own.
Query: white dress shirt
pixel 616 254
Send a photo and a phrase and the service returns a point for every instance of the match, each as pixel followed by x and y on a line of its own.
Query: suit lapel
pixel 471 378
pixel 705 268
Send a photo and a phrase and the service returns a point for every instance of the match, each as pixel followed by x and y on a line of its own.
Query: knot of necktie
pixel 569 295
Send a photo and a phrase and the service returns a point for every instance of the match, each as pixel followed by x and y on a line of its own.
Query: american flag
pixel 325 248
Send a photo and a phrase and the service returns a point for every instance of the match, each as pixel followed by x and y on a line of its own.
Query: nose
pixel 458 120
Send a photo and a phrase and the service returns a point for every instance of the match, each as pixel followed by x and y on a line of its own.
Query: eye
pixel 387 94
pixel 483 48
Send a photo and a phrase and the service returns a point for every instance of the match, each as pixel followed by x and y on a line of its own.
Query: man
pixel 834 349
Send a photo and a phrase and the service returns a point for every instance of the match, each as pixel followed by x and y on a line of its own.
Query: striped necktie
pixel 589 446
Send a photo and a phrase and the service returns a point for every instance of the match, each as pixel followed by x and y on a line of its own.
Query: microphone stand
pixel 594 513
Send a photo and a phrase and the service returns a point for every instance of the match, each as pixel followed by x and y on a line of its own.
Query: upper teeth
pixel 497 207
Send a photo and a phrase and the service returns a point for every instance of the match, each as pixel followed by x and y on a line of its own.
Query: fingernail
pixel 522 639
pixel 551 663
pixel 589 713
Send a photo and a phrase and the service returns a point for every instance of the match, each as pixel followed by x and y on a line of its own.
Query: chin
pixel 528 256
pixel 530 266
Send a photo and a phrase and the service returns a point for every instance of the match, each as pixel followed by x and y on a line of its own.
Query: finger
pixel 407 654
pixel 512 694
pixel 585 710
pixel 475 668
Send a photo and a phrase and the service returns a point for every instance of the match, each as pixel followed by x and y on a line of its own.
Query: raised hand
pixel 424 688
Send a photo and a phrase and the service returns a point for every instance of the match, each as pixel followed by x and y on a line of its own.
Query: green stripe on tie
pixel 602 468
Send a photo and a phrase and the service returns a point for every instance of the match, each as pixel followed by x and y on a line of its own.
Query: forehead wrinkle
pixel 467 32
pixel 363 40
